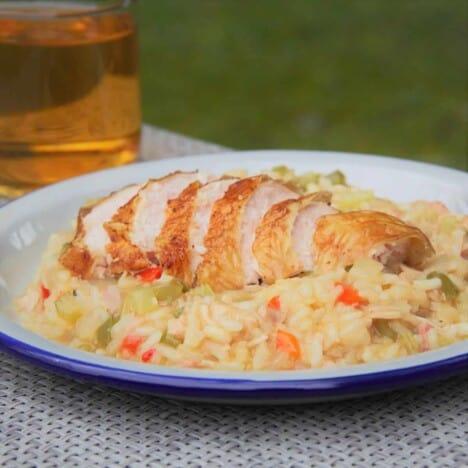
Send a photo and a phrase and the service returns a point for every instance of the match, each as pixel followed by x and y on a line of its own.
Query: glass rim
pixel 86 9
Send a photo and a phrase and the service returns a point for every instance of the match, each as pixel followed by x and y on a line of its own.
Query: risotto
pixel 354 314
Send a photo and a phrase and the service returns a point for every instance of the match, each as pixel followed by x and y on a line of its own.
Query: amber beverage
pixel 69 90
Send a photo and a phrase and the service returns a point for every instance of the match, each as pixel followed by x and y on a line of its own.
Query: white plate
pixel 26 224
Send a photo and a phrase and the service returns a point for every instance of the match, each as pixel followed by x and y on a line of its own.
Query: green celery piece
pixel 337 178
pixel 168 292
pixel 203 290
pixel 170 340
pixel 281 171
pixel 307 178
pixel 178 312
pixel 382 328
pixel 139 301
pixel 70 307
pixel 103 333
pixel 448 287
pixel 405 337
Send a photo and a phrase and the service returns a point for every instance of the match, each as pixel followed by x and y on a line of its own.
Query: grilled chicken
pixel 172 246
pixel 228 262
pixel 135 226
pixel 341 238
pixel 207 196
pixel 230 232
pixel 282 243
pixel 86 255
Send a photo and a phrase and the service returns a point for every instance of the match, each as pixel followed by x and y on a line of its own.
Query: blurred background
pixel 373 76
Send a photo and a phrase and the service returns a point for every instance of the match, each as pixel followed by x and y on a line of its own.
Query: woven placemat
pixel 48 420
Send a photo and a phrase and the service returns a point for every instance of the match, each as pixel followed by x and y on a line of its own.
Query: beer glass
pixel 69 90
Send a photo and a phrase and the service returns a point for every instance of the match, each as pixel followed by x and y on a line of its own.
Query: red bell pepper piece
pixel 150 274
pixel 131 343
pixel 274 303
pixel 349 295
pixel 148 355
pixel 45 292
pixel 288 343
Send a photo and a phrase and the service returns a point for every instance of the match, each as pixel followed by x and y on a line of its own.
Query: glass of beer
pixel 69 90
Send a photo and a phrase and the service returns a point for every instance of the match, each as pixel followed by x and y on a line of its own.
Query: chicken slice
pixel 228 241
pixel 207 196
pixel 266 195
pixel 221 265
pixel 86 255
pixel 135 226
pixel 282 240
pixel 342 238
pixel 173 245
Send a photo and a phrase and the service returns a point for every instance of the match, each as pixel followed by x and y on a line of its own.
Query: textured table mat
pixel 47 420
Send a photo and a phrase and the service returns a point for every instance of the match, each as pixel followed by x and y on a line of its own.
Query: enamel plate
pixel 25 225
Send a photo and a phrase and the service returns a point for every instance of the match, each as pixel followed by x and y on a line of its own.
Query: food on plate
pixel 256 229
pixel 116 233
pixel 273 271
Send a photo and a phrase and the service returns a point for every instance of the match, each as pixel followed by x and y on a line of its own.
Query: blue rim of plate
pixel 240 387
pixel 241 390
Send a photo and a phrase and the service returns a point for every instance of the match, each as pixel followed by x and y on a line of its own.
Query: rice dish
pixel 352 314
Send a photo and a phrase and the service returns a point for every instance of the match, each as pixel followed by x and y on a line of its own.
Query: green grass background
pixel 375 76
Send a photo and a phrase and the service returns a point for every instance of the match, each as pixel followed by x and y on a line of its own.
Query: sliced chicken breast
pixel 228 241
pixel 313 207
pixel 206 197
pixel 266 195
pixel 86 256
pixel 229 233
pixel 173 245
pixel 136 225
pixel 282 245
pixel 342 238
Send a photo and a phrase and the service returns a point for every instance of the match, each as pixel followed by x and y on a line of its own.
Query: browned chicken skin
pixel 221 265
pixel 172 246
pixel 342 238
pixel 275 246
pixel 86 256
pixel 229 232
pixel 233 216
pixel 135 226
